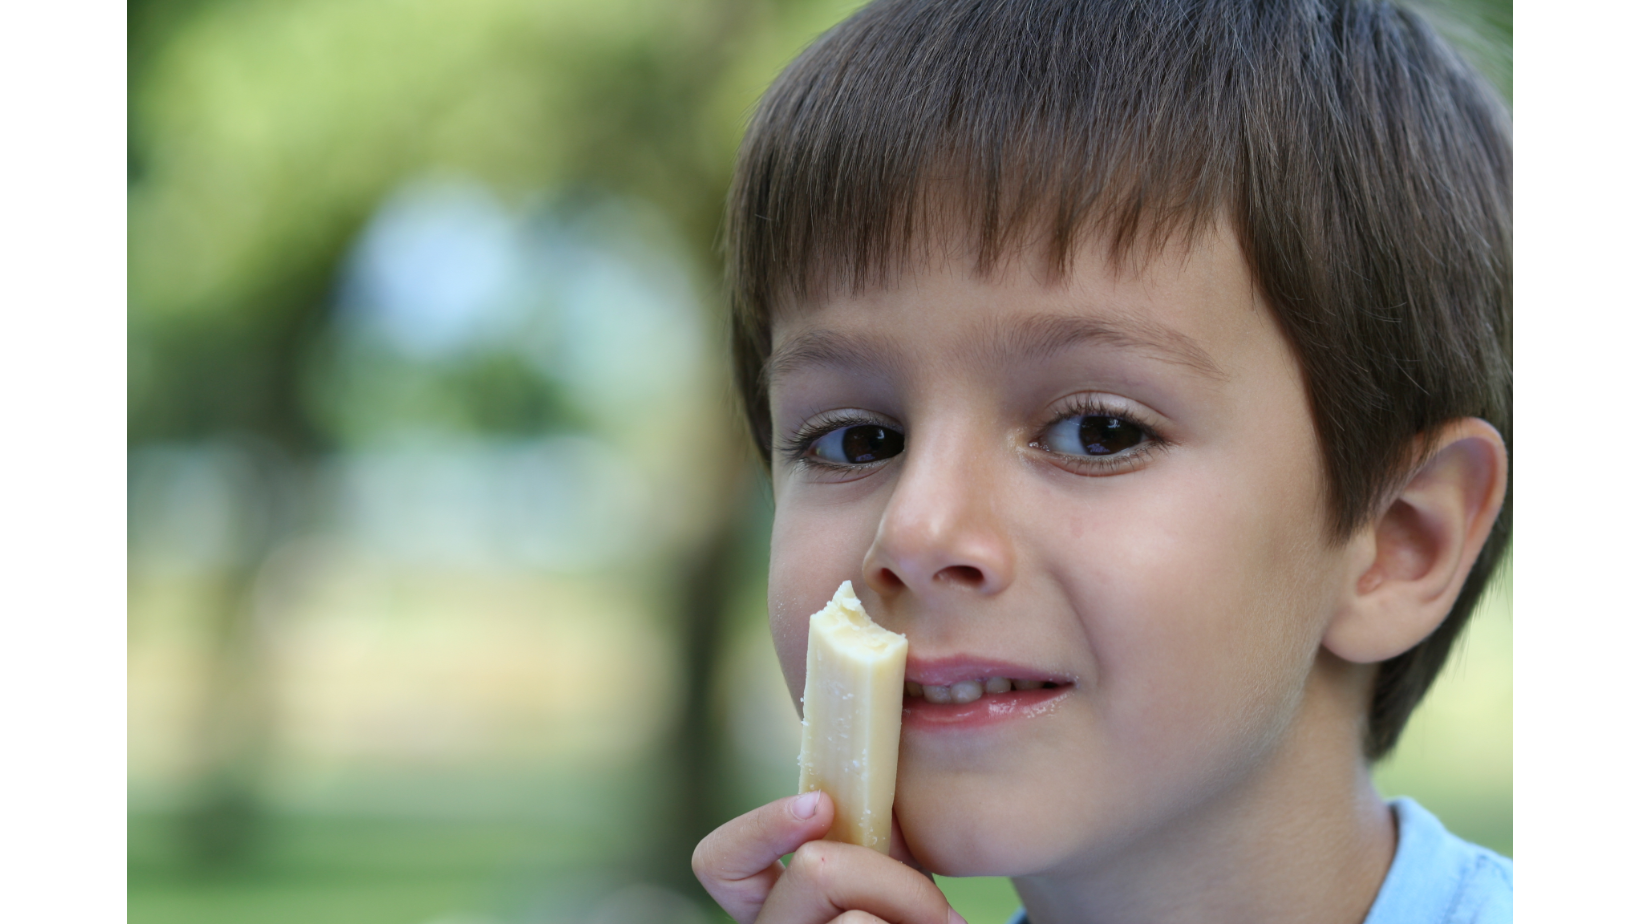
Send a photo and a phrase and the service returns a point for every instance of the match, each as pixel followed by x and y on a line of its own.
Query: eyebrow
pixel 825 349
pixel 1042 336
pixel 1035 338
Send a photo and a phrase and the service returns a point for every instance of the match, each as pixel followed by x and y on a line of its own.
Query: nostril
pixel 888 580
pixel 962 574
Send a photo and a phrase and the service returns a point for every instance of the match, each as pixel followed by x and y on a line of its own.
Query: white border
pixel 62 424
pixel 1576 453
pixel 62 461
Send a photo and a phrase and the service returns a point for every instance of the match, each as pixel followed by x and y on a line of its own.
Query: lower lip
pixel 991 709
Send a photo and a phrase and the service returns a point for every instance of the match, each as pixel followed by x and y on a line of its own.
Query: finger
pixel 857 917
pixel 827 879
pixel 739 863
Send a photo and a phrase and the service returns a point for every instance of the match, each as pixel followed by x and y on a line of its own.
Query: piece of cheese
pixel 852 698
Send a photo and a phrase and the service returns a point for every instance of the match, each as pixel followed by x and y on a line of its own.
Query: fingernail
pixel 807 804
pixel 952 917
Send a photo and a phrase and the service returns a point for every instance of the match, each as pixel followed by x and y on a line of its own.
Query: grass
pixel 360 870
pixel 352 870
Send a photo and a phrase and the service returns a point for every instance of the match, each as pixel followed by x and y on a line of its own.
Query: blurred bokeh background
pixel 446 555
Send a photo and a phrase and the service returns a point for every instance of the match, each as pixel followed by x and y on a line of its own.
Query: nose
pixel 943 530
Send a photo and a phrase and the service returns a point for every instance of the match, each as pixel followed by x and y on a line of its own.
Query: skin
pixel 1205 765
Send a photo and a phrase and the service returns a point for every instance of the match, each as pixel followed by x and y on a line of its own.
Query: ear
pixel 1406 568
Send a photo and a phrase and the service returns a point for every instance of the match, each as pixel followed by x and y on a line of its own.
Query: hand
pixel 739 864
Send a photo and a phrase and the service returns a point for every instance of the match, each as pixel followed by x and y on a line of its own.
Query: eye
pixel 857 445
pixel 1093 435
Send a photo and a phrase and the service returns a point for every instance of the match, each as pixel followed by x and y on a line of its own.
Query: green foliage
pixel 366 393
pixel 265 133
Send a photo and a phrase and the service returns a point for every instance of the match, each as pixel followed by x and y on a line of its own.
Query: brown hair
pixel 1364 167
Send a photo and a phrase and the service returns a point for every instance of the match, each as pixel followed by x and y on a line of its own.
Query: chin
pixel 948 859
pixel 968 844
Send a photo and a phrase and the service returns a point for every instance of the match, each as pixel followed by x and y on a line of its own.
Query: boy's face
pixel 1111 484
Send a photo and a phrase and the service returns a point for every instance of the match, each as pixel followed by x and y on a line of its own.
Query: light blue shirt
pixel 1435 878
pixel 1438 878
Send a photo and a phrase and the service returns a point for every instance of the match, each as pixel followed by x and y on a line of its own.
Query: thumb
pixel 739 863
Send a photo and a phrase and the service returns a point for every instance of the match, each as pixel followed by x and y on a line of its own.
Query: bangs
pixel 908 130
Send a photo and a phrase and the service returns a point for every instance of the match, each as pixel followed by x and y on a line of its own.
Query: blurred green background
pixel 446 553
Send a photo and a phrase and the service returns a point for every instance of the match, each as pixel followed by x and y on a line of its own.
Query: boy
pixel 1147 363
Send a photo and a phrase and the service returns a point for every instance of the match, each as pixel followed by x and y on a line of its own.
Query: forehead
pixel 1190 306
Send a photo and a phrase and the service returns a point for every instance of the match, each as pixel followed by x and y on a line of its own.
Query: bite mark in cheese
pixel 852 697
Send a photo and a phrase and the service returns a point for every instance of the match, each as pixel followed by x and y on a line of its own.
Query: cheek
pixel 1204 617
pixel 790 645
pixel 789 589
pixel 812 549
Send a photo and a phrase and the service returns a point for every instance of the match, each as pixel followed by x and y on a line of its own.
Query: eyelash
pixel 1126 461
pixel 795 450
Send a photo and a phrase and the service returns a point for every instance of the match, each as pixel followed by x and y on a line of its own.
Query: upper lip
pixel 941 672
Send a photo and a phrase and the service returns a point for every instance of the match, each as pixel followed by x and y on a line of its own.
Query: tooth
pixel 937 694
pixel 966 691
pixel 913 688
pixel 998 685
pixel 1028 684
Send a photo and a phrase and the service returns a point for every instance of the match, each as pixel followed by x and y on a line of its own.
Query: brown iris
pixel 1103 436
pixel 870 443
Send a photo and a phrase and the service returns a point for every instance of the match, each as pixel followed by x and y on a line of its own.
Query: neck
pixel 1305 838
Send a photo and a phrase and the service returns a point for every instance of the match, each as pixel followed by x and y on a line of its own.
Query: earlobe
pixel 1407 567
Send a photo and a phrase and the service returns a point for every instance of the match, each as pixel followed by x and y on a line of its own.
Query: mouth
pixel 967 691
pixel 964 694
